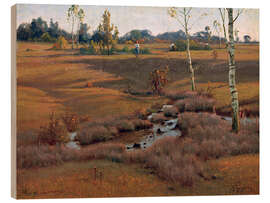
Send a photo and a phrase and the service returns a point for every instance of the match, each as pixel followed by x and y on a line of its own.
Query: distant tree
pixel 106 30
pixel 72 17
pixel 247 38
pixel 24 32
pixel 172 36
pixel 135 35
pixel 45 37
pixel 98 38
pixel 231 62
pixel 84 36
pixel 81 16
pixel 38 27
pixel 54 30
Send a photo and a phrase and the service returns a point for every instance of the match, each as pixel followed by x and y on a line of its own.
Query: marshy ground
pixel 55 81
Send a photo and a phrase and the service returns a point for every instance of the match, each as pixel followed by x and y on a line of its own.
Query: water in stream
pixel 72 143
pixel 158 131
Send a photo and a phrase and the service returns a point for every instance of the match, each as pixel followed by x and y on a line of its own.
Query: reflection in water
pixel 159 131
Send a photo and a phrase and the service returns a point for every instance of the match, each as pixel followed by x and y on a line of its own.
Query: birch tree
pixel 183 16
pixel 231 60
pixel 80 17
pixel 72 17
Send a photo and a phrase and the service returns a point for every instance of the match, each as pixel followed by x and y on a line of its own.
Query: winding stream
pixel 158 131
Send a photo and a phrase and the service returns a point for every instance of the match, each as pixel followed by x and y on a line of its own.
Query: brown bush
pixel 45 155
pixel 54 132
pixel 71 121
pixel 178 94
pixel 180 105
pixel 157 118
pixel 141 114
pixel 92 134
pixel 170 112
pixel 156 107
pixel 141 124
pixel 61 43
pixel 214 135
pixel 197 104
pixel 125 126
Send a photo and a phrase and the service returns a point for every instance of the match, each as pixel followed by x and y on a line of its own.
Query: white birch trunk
pixel 232 67
pixel 191 70
pixel 72 35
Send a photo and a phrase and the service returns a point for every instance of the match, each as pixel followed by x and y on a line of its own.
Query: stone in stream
pixel 136 145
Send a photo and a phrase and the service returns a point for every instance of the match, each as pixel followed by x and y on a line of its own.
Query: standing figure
pixel 137 48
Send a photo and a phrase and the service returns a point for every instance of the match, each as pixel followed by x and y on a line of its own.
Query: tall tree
pixel 38 27
pixel 80 16
pixel 72 17
pixel 84 36
pixel 183 15
pixel 106 29
pixel 232 67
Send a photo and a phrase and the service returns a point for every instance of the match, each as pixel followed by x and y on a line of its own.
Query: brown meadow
pixel 57 81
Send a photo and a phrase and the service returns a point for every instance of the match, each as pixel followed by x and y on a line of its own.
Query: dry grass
pixel 50 80
pixel 234 175
pixel 33 156
pixel 158 118
pixel 170 112
pixel 61 75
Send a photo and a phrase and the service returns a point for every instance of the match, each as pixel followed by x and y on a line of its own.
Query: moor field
pixel 96 86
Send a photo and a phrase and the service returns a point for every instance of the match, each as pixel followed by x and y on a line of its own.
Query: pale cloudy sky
pixel 155 19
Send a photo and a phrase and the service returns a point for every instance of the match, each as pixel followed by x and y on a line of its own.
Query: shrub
pixel 193 45
pixel 92 134
pixel 199 103
pixel 180 105
pixel 125 49
pixel 178 94
pixel 141 124
pixel 61 43
pixel 93 49
pixel 45 37
pixel 71 121
pixel 159 79
pixel 194 102
pixel 158 117
pixel 125 126
pixel 54 132
pixel 170 112
pixel 142 51
pixel 45 155
pixel 155 107
pixel 141 114
pixel 112 130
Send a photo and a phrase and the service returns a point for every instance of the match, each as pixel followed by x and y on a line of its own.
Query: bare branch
pixel 239 12
pixel 223 22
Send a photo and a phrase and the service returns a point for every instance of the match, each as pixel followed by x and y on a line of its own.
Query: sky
pixel 127 18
